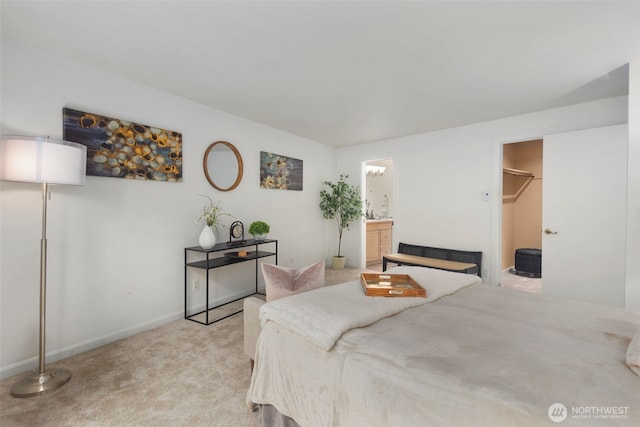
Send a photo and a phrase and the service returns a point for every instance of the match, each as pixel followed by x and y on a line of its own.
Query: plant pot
pixel 207 239
pixel 260 237
pixel 338 262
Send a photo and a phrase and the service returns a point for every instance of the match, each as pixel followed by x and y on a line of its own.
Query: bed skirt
pixel 269 416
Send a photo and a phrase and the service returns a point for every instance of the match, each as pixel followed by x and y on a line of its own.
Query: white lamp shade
pixel 34 159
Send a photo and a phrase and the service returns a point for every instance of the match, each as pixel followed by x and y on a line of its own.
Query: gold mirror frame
pixel 238 158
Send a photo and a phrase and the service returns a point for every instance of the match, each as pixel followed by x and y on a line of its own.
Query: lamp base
pixel 36 383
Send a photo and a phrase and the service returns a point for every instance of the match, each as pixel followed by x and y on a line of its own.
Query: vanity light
pixel 375 170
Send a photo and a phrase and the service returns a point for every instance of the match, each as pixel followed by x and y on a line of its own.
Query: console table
pixel 214 258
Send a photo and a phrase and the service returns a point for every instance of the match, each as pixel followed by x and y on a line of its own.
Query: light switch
pixel 485 196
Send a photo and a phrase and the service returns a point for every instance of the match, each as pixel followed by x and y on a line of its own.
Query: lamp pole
pixel 44 381
pixel 43 278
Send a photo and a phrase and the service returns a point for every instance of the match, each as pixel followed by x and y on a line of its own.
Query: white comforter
pixel 480 356
pixel 324 315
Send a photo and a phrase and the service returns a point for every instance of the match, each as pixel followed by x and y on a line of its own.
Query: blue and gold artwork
pixel 280 172
pixel 121 149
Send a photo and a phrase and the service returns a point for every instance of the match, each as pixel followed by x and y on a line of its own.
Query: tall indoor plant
pixel 342 202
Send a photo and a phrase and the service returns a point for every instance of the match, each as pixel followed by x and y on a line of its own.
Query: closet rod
pixel 517 172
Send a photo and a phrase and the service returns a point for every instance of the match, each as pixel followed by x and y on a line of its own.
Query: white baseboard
pixel 32 363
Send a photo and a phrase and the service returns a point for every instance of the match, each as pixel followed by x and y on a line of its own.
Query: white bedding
pixel 324 315
pixel 481 356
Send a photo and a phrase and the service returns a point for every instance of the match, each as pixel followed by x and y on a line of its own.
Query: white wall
pixel 632 272
pixel 440 177
pixel 115 245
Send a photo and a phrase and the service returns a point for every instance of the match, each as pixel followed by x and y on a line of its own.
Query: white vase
pixel 207 238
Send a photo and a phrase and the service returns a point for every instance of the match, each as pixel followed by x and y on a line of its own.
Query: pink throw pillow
pixel 284 281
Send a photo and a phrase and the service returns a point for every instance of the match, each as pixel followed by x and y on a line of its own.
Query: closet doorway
pixel 521 212
pixel 584 214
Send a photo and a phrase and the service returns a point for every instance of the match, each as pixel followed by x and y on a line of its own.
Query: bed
pixel 468 354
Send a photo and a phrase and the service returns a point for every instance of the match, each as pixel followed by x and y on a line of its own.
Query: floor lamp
pixel 46 161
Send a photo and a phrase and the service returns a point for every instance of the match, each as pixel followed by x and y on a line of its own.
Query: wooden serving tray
pixel 391 285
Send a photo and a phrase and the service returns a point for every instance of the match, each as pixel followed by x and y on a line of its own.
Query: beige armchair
pixel 252 327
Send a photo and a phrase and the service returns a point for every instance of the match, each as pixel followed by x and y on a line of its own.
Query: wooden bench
pixel 469 262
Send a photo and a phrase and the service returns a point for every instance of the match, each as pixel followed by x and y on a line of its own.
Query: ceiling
pixel 348 72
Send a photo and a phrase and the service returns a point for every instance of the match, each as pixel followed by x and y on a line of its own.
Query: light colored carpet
pixel 333 277
pixel 521 283
pixel 180 374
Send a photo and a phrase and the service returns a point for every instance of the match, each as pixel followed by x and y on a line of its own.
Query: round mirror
pixel 223 166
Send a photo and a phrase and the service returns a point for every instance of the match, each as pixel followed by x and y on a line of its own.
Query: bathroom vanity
pixel 378 239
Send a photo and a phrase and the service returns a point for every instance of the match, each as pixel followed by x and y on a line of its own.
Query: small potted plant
pixel 259 229
pixel 342 202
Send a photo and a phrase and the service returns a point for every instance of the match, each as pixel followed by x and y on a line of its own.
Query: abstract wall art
pixel 280 172
pixel 122 149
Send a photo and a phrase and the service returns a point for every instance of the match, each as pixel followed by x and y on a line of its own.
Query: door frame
pixel 540 143
pixel 495 258
pixel 363 194
pixel 495 271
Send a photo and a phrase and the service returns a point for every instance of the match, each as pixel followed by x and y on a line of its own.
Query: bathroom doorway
pixel 379 211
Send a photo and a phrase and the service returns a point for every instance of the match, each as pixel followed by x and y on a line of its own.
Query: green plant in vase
pixel 342 202
pixel 259 229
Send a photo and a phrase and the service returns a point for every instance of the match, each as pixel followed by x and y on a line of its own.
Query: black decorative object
pixel 236 234
pixel 528 262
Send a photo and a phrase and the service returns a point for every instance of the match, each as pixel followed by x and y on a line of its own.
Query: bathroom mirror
pixel 379 189
pixel 223 166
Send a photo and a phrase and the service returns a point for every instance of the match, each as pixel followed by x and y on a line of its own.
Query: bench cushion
pixel 469 262
pixel 430 262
